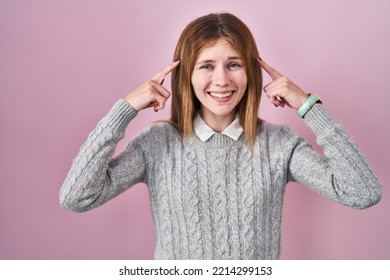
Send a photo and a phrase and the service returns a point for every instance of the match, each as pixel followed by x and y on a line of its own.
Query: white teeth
pixel 221 95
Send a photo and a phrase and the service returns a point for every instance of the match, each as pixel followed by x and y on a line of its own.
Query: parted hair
pixel 201 33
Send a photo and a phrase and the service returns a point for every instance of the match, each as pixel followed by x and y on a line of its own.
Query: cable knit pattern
pixel 218 199
pixel 164 215
pixel 220 205
pixel 234 206
pixel 247 207
pixel 192 194
pixel 205 202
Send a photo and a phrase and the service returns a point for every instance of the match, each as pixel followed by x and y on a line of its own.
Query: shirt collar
pixel 204 132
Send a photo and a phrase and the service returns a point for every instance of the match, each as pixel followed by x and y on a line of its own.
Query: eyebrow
pixel 212 61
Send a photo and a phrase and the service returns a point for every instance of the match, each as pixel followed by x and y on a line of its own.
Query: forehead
pixel 221 49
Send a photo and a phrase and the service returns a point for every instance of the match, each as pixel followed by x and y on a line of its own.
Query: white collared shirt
pixel 204 132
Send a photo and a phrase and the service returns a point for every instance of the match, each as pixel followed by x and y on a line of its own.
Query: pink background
pixel 63 64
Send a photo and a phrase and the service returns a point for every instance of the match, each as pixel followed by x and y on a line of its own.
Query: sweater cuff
pixel 120 115
pixel 319 120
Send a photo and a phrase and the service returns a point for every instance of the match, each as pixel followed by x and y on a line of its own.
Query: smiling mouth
pixel 221 95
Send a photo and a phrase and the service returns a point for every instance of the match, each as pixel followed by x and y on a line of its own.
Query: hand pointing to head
pixel 281 91
pixel 152 93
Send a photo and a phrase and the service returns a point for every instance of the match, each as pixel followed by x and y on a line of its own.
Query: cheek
pixel 241 81
pixel 196 87
pixel 244 80
pixel 194 81
pixel 242 84
pixel 198 81
pixel 244 77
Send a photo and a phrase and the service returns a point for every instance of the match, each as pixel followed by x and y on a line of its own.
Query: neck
pixel 218 123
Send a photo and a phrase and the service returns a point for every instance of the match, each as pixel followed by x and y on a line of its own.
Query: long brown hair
pixel 204 32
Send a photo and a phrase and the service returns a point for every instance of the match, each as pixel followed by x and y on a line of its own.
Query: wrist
pixel 304 97
pixel 132 103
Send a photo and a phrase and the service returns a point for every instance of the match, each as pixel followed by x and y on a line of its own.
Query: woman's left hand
pixel 281 91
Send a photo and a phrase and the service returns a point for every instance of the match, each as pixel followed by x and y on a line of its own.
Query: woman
pixel 216 173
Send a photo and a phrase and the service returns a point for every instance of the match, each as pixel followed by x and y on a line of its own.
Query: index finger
pixel 160 76
pixel 271 71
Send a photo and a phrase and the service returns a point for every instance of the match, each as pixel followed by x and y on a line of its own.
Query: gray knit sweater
pixel 218 199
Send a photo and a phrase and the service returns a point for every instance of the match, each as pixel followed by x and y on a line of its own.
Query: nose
pixel 221 77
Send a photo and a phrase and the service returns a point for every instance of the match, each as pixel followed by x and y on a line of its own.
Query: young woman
pixel 216 173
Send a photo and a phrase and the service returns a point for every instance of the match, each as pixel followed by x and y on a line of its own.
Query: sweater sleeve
pixel 95 177
pixel 342 174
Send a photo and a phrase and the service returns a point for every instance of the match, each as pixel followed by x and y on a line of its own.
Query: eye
pixel 206 66
pixel 234 65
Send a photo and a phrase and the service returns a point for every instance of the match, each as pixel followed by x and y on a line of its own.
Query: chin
pixel 223 113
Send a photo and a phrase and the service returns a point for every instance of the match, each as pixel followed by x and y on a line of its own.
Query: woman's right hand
pixel 151 93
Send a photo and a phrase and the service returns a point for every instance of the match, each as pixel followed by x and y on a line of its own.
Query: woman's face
pixel 219 81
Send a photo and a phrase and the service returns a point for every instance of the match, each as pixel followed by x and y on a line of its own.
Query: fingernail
pixel 275 105
pixel 260 58
pixel 162 81
pixel 156 110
